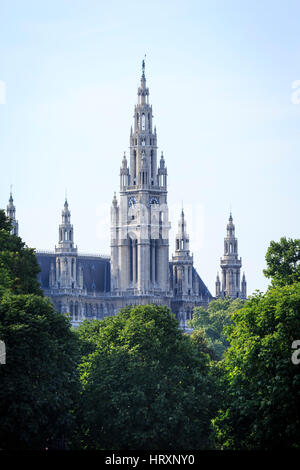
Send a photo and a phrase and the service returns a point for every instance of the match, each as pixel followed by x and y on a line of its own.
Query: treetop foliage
pixel 155 386
pixel 213 322
pixel 18 264
pixel 283 261
pixel 261 410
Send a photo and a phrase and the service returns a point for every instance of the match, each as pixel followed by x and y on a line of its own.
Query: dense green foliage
pixel 213 323
pixel 39 380
pixel 18 265
pixel 135 381
pixel 145 385
pixel 261 405
pixel 283 261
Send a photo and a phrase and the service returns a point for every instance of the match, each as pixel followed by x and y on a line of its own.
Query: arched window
pixel 137 120
pixel 143 122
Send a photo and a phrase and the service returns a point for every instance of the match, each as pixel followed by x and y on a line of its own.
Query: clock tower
pixel 139 221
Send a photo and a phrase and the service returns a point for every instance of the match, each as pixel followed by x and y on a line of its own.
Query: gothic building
pixel 139 270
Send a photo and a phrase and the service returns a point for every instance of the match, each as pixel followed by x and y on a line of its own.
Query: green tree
pixel 283 262
pixel 18 264
pixel 261 408
pixel 213 323
pixel 145 385
pixel 39 381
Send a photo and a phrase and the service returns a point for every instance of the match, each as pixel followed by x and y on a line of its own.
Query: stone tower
pixel 11 214
pixel 65 274
pixel 139 222
pixel 182 261
pixel 231 266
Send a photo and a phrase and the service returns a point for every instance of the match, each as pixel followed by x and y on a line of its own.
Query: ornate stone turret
pixel 231 267
pixel 11 214
pixel 139 225
pixel 182 261
pixel 244 287
pixel 66 232
pixel 65 275
pixel 124 173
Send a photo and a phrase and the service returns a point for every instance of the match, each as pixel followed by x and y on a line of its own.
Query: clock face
pixel 131 202
pixel 153 201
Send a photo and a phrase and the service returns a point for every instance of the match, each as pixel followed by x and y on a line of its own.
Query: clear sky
pixel 221 77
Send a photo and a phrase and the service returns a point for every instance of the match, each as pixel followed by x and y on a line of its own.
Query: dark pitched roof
pixel 96 271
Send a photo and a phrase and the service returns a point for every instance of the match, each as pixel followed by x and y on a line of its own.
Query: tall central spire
pixel 143 142
pixel 140 227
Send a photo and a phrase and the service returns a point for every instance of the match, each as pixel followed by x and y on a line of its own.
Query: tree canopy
pixel 283 261
pixel 145 385
pixel 136 381
pixel 39 380
pixel 213 322
pixel 261 409
pixel 18 264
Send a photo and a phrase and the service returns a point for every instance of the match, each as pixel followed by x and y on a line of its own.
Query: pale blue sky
pixel 220 75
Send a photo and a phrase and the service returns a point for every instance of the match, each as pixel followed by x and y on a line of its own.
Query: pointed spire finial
pixel 143 67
